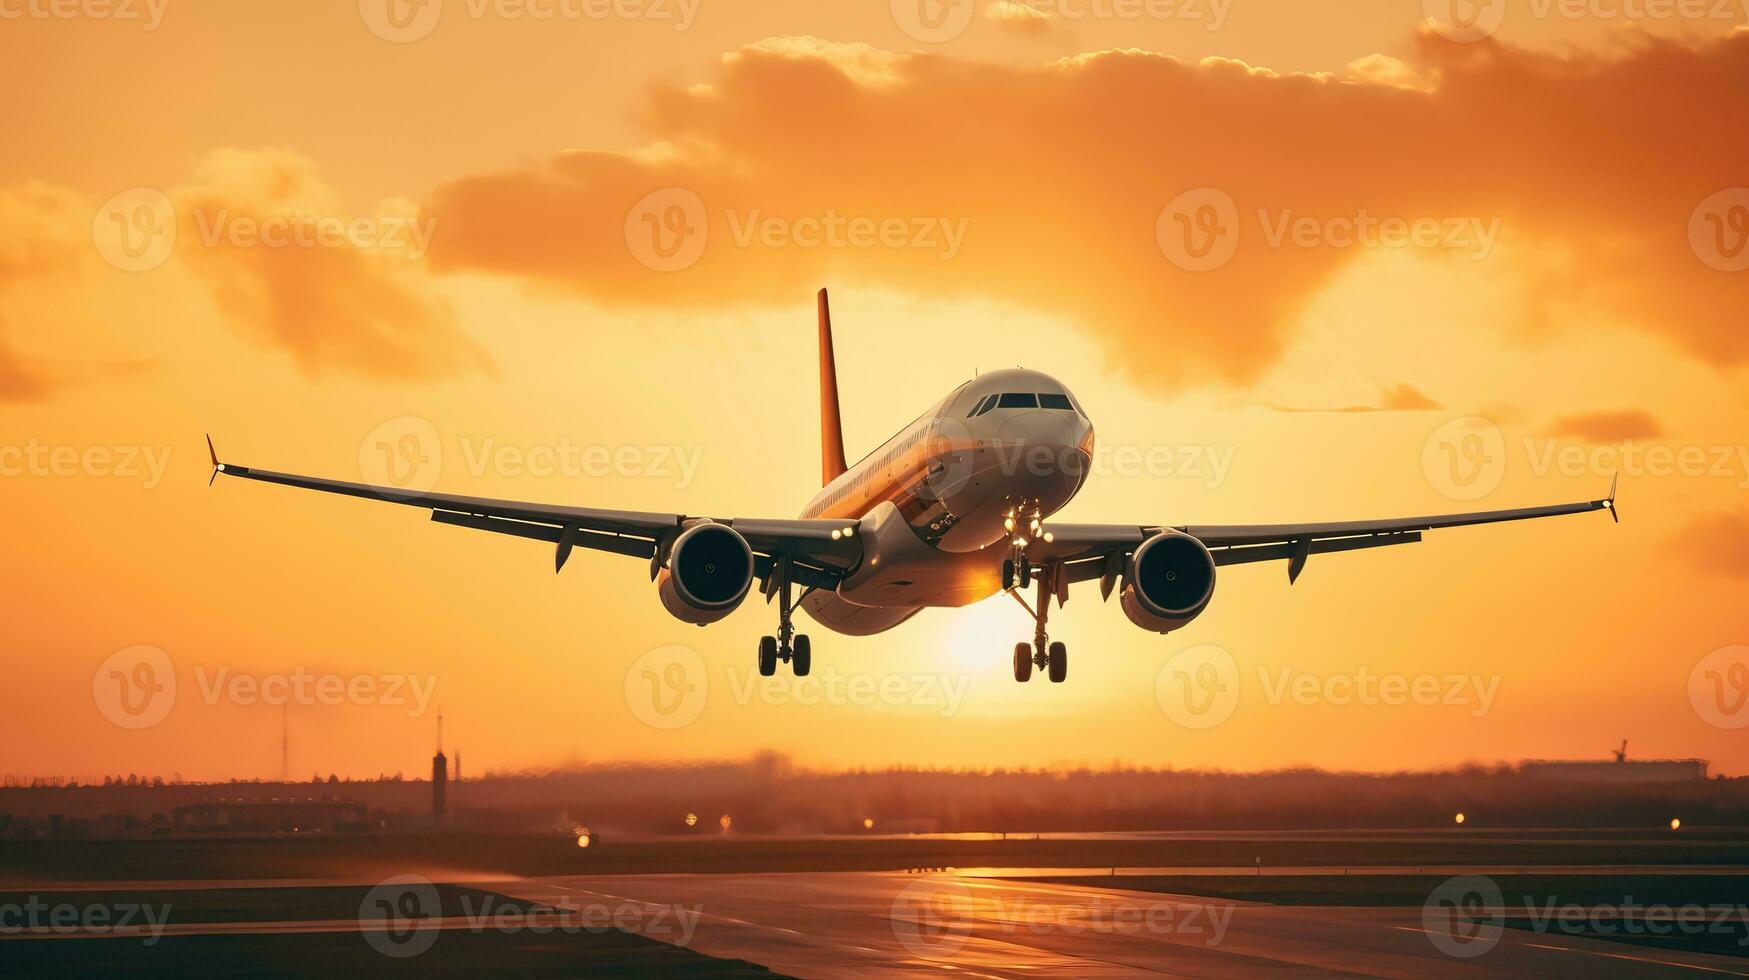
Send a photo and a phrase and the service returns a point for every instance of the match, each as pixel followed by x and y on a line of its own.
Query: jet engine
pixel 1168 582
pixel 708 573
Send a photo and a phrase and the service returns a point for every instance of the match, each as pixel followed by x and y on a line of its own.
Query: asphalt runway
pixel 293 908
pixel 897 925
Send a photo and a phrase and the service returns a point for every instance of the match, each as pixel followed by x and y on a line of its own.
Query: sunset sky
pixel 488 290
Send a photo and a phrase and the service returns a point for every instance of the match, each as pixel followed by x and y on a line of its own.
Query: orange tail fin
pixel 831 429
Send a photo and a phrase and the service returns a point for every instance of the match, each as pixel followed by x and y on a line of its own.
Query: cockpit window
pixel 1021 399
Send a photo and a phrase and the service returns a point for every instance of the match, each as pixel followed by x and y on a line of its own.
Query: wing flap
pixel 1290 550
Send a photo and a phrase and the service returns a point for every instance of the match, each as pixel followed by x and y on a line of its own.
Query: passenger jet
pixel 954 508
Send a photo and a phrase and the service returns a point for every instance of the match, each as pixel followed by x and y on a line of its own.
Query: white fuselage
pixel 930 502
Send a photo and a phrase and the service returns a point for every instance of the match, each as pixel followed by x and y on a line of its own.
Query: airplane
pixel 954 508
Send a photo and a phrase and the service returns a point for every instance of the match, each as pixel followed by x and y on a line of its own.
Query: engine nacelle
pixel 708 573
pixel 1168 582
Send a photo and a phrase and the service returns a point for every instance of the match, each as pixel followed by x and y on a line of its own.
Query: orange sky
pixel 482 290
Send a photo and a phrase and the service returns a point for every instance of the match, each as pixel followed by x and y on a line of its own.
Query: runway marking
pixel 1647 959
pixel 1598 952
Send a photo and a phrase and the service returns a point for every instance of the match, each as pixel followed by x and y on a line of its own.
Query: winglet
pixel 218 467
pixel 1609 503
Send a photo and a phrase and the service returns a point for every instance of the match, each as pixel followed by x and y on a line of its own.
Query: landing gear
pixel 789 646
pixel 1059 668
pixel 1052 658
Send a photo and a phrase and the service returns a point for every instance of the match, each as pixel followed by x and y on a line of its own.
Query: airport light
pixel 867 823
pixel 582 836
pixel 1459 818
pixel 1675 823
pixel 724 822
pixel 692 820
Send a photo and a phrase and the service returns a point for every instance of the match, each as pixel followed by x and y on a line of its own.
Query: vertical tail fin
pixel 831 429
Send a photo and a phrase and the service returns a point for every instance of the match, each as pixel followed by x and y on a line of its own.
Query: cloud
pixel 1604 427
pixel 36 239
pixel 1019 17
pixel 287 263
pixel 1406 397
pixel 1717 544
pixel 1401 397
pixel 1059 176
pixel 20 380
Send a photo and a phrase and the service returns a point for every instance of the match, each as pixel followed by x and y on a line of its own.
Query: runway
pixel 899 925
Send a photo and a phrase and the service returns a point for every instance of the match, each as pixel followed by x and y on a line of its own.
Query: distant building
pixel 1636 771
pixel 439 776
pixel 272 816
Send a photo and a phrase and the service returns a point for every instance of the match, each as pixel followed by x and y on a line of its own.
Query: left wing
pixel 1089 551
pixel 819 551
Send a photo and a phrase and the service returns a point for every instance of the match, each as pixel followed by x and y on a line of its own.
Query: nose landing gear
pixel 1017 567
pixel 1052 658
pixel 788 646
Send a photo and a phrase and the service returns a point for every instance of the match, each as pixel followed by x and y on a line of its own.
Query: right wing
pixel 1089 551
pixel 819 552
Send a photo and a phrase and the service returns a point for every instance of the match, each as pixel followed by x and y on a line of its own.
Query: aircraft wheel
pixel 1025 573
pixel 1059 657
pixel 767 656
pixel 801 658
pixel 1023 662
pixel 1007 574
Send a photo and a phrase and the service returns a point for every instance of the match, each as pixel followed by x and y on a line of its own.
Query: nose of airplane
pixel 1049 448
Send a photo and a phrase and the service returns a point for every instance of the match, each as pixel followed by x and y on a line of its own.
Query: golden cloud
pixel 1083 187
pixel 1604 427
pixel 287 263
pixel 1717 544
pixel 37 238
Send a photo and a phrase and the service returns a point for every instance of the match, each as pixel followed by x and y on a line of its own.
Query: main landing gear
pixel 1049 657
pixel 788 646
